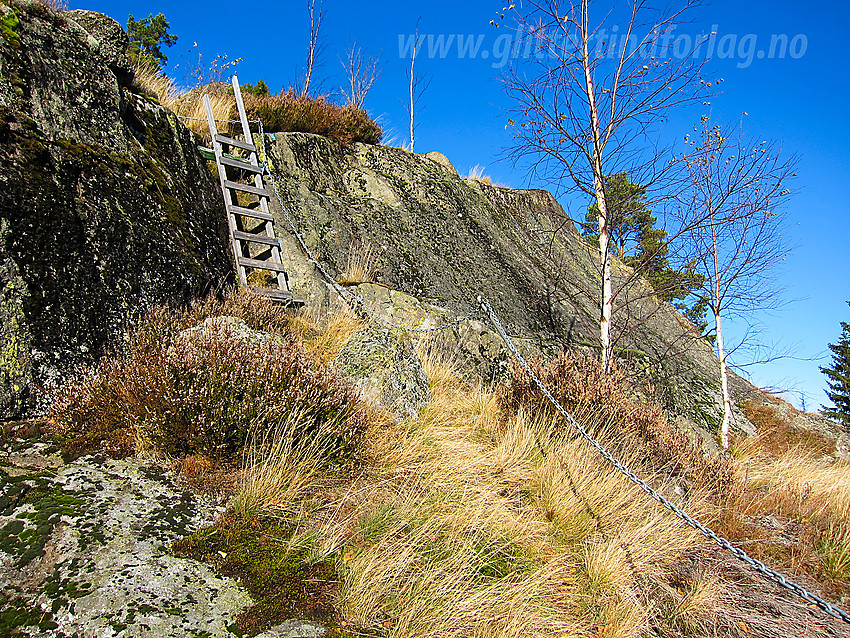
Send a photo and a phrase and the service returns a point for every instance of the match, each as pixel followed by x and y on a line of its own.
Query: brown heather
pixel 286 112
pixel 204 392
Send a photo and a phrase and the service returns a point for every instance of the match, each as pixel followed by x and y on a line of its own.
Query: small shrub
pixel 260 89
pixel 202 392
pixel 291 111
pixel 602 402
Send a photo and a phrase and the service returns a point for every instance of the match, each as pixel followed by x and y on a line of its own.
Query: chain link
pixel 739 553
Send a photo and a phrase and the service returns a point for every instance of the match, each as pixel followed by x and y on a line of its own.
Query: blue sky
pixel 801 100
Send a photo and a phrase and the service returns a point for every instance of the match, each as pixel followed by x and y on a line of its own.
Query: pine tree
pixel 147 36
pixel 638 242
pixel 838 376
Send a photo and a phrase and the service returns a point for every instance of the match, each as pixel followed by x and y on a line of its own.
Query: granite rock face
pixel 106 208
pixel 443 240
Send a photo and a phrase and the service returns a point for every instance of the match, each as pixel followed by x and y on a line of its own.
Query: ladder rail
pixel 258 179
pixel 236 245
pixel 242 237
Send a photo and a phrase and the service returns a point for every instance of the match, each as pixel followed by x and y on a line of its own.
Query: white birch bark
pixel 724 386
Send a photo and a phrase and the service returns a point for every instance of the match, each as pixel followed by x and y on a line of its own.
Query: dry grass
pixel 281 464
pixel 477 173
pixel 791 501
pixel 335 332
pixel 151 81
pixel 288 111
pixel 606 402
pixel 476 521
pixel 361 266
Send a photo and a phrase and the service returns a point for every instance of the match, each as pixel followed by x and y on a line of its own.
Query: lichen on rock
pixel 385 369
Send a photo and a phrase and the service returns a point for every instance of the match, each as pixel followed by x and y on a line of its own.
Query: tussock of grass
pixel 480 521
pixel 280 465
pixel 360 267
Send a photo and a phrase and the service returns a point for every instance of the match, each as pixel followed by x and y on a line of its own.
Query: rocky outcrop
pixel 444 239
pixel 84 550
pixel 105 205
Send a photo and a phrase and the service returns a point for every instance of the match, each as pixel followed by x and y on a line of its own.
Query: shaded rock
pixel 109 40
pixel 381 363
pixel 106 207
pixel 472 345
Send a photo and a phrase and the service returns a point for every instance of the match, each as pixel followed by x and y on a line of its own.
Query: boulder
pixel 382 364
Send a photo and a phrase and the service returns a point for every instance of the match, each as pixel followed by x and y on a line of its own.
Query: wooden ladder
pixel 251 225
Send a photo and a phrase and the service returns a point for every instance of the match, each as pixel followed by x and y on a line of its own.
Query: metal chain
pixel 354 300
pixel 760 567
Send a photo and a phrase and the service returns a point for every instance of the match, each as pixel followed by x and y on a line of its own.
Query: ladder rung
pixel 274 293
pixel 245 188
pixel 223 139
pixel 244 165
pixel 259 239
pixel 250 212
pixel 261 265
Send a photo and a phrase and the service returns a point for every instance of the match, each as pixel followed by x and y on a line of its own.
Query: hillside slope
pixel 446 239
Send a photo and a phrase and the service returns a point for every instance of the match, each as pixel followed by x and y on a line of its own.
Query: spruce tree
pixel 838 375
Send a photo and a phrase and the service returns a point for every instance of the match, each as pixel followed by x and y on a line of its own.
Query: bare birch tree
pixel 361 71
pixel 417 85
pixel 316 15
pixel 738 187
pixel 589 95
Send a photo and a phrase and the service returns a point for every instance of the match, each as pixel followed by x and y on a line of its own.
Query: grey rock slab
pixel 294 629
pixel 105 569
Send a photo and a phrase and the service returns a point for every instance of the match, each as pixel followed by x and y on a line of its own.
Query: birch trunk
pixel 599 187
pixel 412 89
pixel 605 257
pixel 724 386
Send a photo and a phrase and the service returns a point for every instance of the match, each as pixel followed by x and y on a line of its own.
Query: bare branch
pixel 361 71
